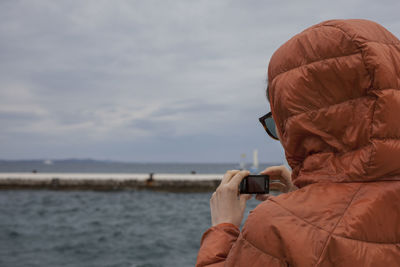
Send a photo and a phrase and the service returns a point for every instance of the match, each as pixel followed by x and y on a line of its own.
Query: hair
pixel 267 90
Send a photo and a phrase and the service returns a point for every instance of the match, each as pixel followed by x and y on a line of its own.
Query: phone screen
pixel 254 184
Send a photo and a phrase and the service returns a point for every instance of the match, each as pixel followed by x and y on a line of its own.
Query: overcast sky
pixel 148 81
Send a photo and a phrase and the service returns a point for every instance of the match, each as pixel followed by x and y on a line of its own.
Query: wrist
pixel 219 222
pixel 226 225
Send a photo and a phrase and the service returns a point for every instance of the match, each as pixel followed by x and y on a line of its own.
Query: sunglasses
pixel 269 125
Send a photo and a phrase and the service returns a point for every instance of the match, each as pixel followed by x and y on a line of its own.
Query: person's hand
pixel 227 206
pixel 283 180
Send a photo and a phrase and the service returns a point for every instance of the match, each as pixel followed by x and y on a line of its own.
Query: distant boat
pixel 48 162
pixel 254 168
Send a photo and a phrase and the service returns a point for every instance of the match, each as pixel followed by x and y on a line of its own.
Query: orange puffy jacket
pixel 335 97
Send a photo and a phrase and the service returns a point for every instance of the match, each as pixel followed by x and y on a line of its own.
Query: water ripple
pixel 128 228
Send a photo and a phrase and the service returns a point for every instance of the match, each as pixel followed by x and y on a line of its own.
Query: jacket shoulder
pixel 296 226
pixel 329 222
pixel 368 233
pixel 373 215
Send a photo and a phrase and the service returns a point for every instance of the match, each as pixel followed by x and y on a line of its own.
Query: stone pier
pixel 111 181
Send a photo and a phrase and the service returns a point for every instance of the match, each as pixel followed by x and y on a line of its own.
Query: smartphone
pixel 254 184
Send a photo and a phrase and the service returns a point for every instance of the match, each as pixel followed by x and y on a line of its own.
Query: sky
pixel 149 81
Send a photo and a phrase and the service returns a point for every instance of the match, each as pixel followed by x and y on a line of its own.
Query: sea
pixel 135 228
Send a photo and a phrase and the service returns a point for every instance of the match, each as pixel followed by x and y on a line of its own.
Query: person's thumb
pixel 244 198
pixel 262 197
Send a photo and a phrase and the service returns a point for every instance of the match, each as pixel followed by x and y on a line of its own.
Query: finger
pixel 278 178
pixel 273 170
pixel 278 186
pixel 262 197
pixel 235 181
pixel 245 196
pixel 243 200
pixel 280 173
pixel 228 176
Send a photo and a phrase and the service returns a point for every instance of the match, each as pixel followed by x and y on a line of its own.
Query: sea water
pixel 117 228
pixel 84 228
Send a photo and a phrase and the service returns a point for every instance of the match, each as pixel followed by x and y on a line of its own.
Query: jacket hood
pixel 334 95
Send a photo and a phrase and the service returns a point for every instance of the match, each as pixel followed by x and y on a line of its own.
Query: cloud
pixel 148 80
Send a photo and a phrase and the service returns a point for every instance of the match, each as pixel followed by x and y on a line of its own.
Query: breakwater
pixel 111 181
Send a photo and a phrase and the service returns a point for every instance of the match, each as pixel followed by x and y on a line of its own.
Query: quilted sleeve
pixel 224 239
pixel 216 243
pixel 244 253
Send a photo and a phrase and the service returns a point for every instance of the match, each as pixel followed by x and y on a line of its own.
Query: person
pixel 334 92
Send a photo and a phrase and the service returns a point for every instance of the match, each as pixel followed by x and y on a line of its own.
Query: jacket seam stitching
pixel 350 39
pixel 334 228
pixel 387 178
pixel 323 59
pixel 366 146
pixel 373 148
pixel 361 47
pixel 365 241
pixel 384 43
pixel 304 220
pixel 373 98
pixel 345 102
pixel 347 34
pixel 316 61
pixel 262 251
pixel 360 51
